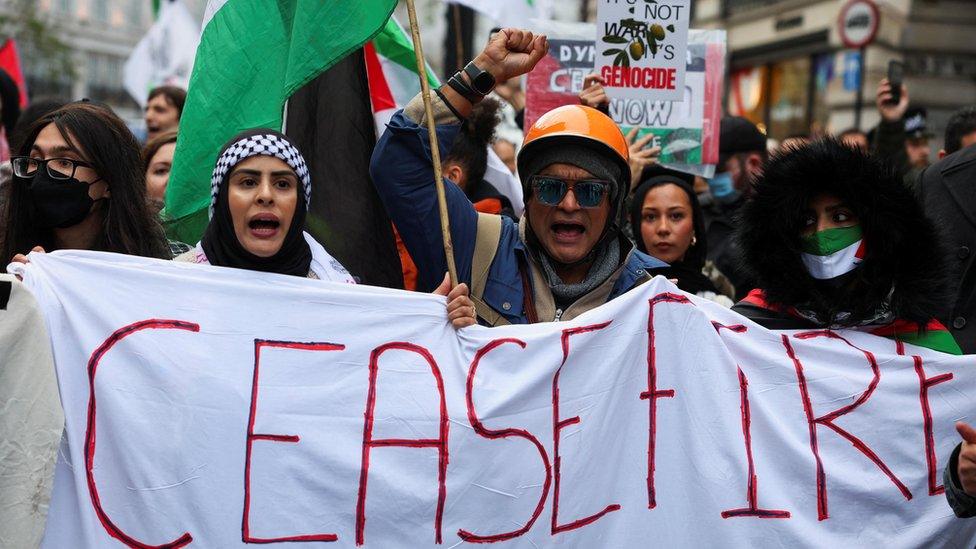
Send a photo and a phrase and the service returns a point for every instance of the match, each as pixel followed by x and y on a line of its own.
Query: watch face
pixel 481 81
pixel 484 83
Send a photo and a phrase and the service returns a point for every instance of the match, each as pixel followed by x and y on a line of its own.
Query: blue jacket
pixel 403 176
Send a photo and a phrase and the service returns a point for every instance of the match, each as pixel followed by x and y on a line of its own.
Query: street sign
pixel 858 23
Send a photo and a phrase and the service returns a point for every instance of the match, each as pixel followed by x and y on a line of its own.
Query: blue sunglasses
pixel 551 190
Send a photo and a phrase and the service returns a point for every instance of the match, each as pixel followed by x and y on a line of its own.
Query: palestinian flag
pixel 10 62
pixel 330 120
pixel 935 336
pixel 833 252
pixel 391 67
pixel 252 57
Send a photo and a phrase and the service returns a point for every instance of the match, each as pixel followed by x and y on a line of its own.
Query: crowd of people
pixel 854 231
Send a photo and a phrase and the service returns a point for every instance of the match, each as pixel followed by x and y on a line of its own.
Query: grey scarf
pixel 606 262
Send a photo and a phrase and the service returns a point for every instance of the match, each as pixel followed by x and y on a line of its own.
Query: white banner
pixel 215 408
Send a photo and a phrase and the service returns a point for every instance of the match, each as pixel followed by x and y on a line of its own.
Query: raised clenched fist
pixel 511 53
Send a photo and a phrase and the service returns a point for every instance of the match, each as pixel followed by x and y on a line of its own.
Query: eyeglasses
pixel 551 190
pixel 58 168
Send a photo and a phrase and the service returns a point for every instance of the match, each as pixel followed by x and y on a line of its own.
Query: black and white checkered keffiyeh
pixel 254 145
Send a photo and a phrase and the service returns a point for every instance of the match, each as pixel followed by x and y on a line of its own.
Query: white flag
pixel 165 55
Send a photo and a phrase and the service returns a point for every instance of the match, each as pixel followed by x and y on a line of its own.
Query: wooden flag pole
pixel 435 152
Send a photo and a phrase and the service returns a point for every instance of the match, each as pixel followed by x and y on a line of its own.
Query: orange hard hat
pixel 579 125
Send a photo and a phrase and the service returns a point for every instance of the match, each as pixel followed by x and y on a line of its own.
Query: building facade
pixel 788 69
pixel 790 73
pixel 101 35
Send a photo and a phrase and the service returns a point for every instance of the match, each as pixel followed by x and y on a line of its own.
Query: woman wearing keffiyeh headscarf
pixel 260 192
pixel 259 196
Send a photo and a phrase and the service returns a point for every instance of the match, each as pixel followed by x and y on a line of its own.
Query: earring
pixel 694 240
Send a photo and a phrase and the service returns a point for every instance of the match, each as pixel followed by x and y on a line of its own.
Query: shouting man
pixel 567 254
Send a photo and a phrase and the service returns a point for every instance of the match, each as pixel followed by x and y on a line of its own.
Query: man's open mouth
pixel 568 230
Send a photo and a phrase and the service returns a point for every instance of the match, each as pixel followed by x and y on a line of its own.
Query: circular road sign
pixel 859 21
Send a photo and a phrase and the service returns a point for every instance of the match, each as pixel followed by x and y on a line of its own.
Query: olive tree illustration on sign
pixel 635 39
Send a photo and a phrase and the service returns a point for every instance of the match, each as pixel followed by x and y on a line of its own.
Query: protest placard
pixel 641 47
pixel 258 408
pixel 687 131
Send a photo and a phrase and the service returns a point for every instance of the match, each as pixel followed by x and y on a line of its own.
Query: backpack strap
pixel 485 247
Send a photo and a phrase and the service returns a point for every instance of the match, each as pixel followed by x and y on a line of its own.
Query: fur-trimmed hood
pixel 903 251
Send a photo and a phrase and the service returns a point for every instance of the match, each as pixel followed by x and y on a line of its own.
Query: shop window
pixel 789 98
pixel 748 89
pixel 823 73
pixel 784 98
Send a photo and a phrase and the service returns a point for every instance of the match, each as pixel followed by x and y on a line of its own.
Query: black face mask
pixel 58 203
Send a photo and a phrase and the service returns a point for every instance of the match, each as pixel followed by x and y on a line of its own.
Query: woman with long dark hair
pixel 668 224
pixel 78 184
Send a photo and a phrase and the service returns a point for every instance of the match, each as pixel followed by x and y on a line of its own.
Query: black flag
pixel 331 122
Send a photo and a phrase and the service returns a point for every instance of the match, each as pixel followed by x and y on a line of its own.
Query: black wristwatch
pixel 482 81
pixel 459 85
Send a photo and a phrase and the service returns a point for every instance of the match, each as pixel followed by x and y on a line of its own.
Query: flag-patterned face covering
pixel 832 252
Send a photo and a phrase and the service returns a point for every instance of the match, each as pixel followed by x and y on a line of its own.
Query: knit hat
pixel 576 155
pixel 583 157
pixel 738 135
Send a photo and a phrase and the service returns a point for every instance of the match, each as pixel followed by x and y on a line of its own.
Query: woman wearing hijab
pixel 835 240
pixel 668 224
pixel 260 192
